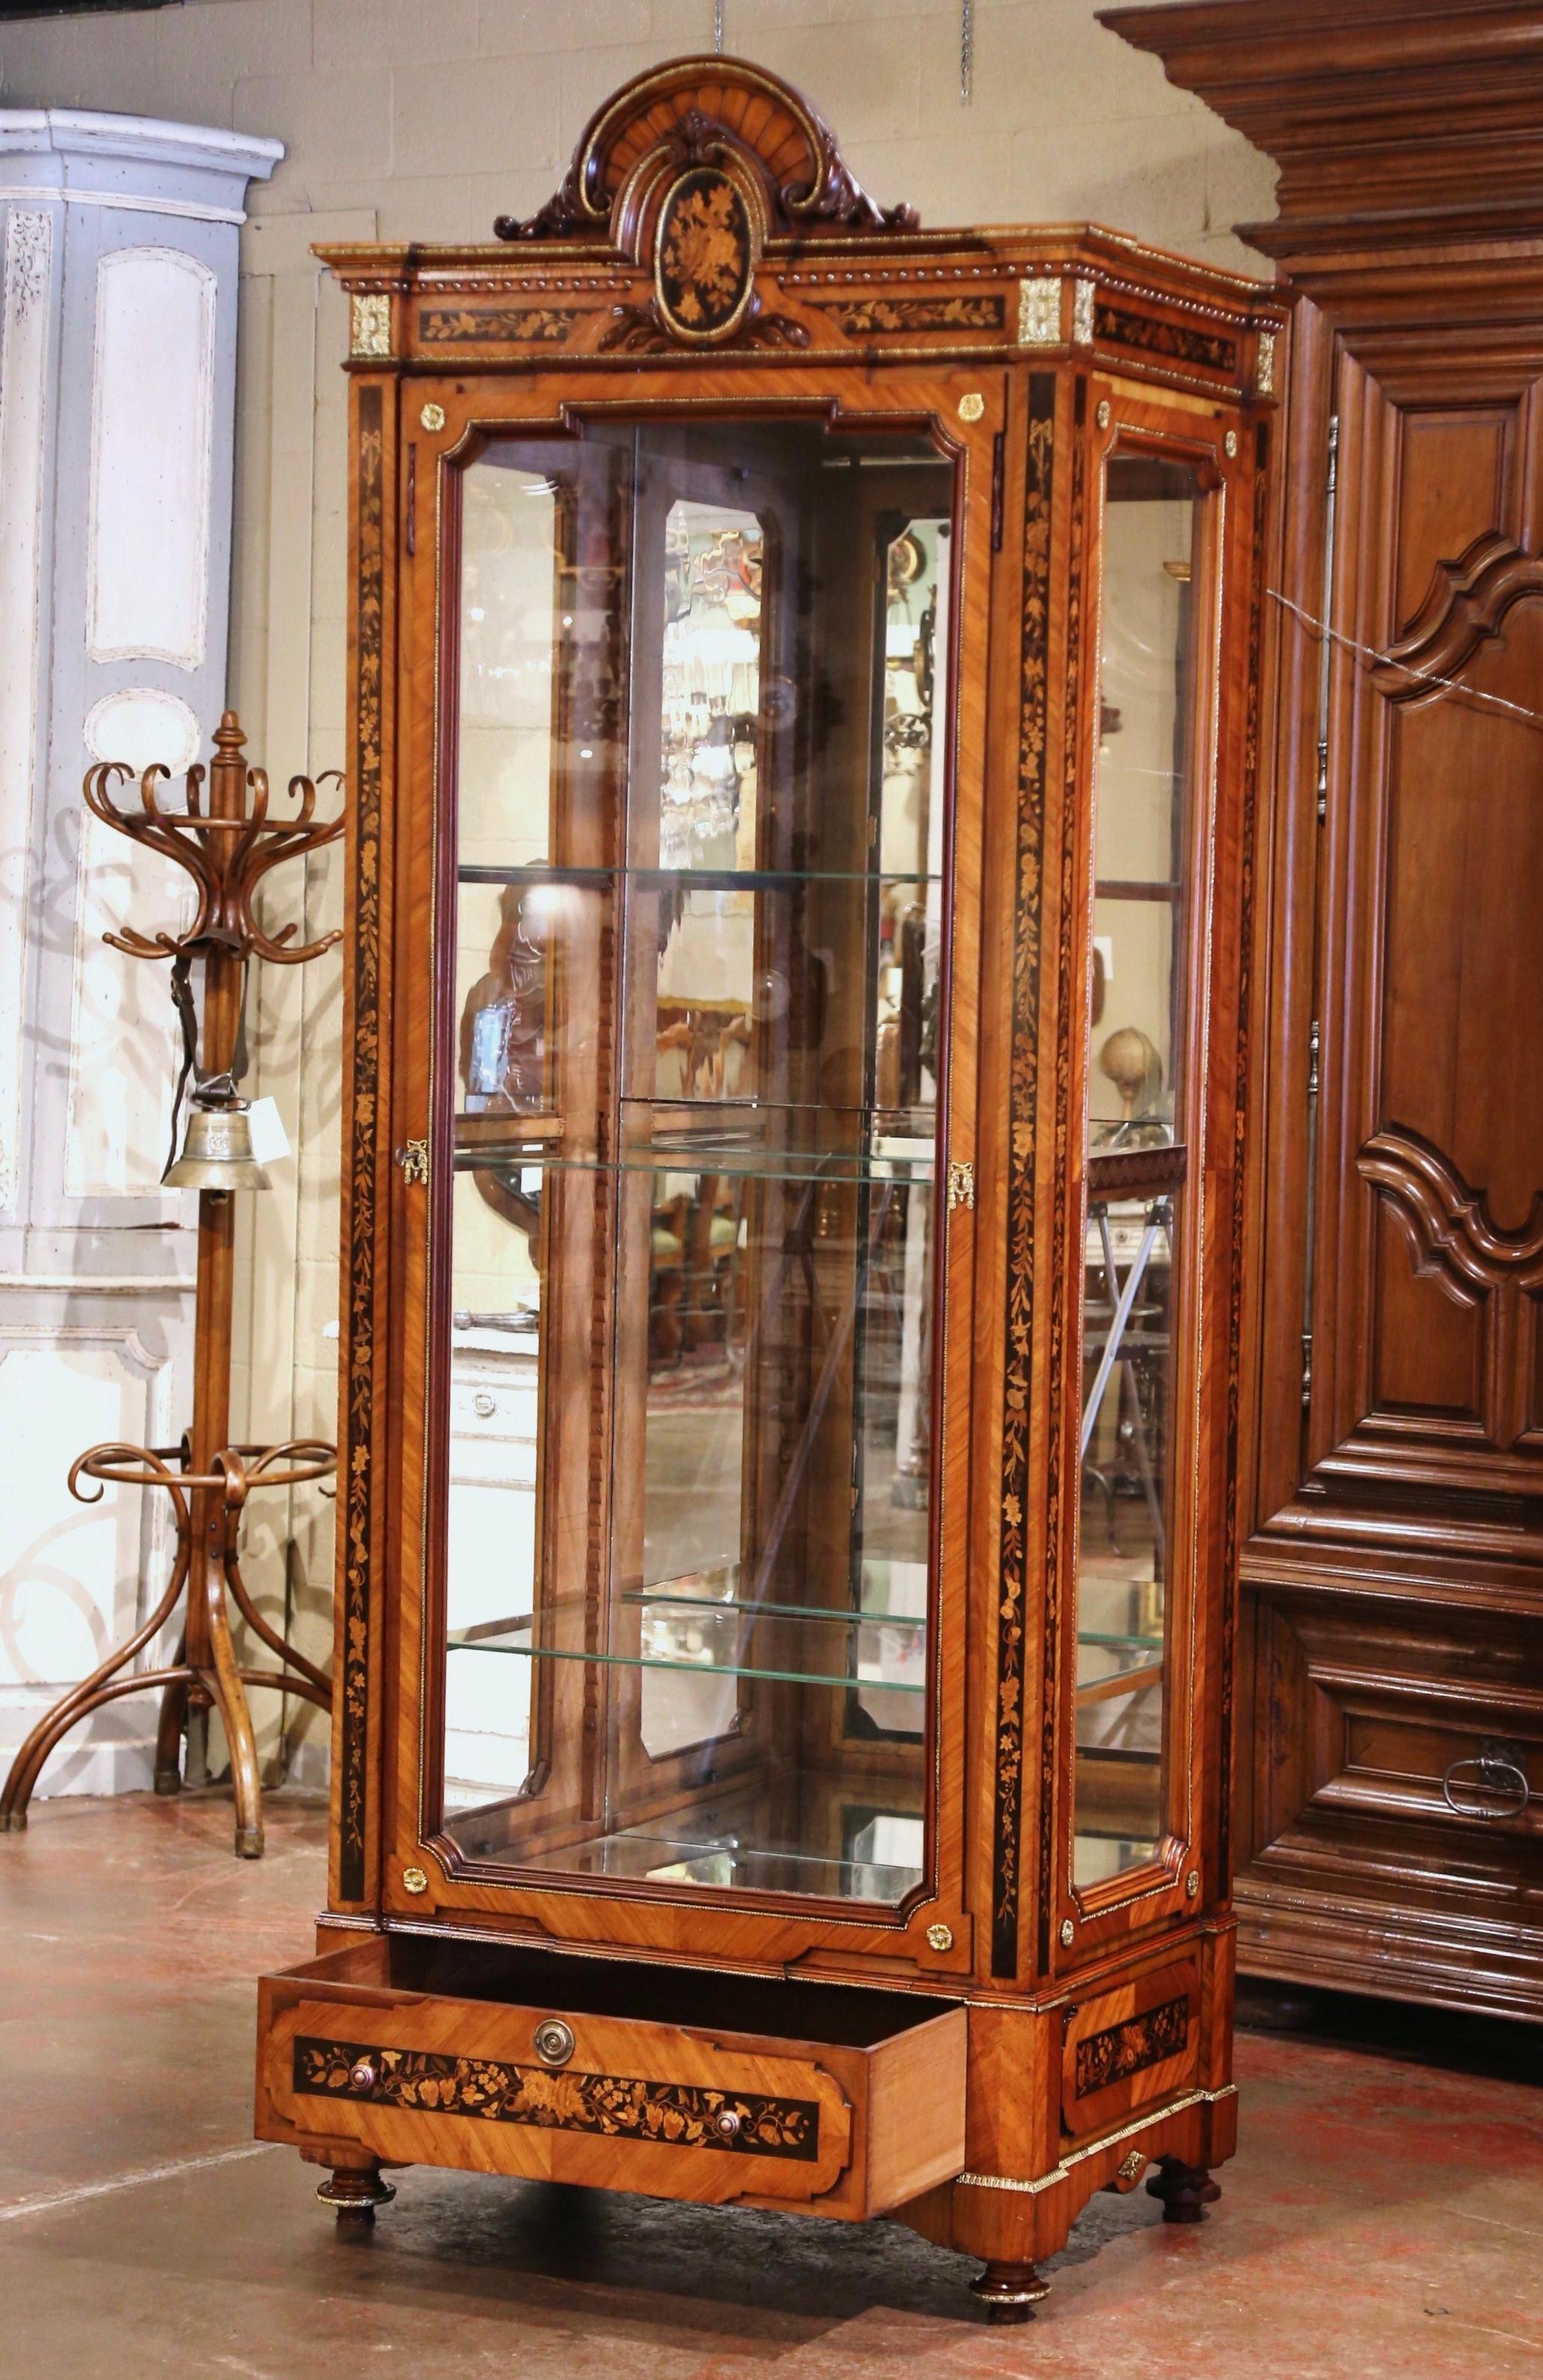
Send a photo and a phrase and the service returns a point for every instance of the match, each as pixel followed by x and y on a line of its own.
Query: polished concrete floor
pixel 1382 2221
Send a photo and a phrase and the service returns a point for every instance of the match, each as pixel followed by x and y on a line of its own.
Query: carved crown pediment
pixel 705 113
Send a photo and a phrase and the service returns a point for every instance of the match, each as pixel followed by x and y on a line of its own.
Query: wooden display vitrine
pixel 804 685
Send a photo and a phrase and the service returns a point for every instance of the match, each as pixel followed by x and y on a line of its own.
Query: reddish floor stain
pixel 1383 2219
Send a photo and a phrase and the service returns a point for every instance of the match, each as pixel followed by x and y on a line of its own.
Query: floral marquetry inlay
pixel 356 1504
pixel 1125 2050
pixel 866 316
pixel 705 256
pixel 1121 328
pixel 471 326
pixel 613 2107
pixel 1012 1613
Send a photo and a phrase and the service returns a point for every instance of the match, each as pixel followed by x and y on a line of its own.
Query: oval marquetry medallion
pixel 704 256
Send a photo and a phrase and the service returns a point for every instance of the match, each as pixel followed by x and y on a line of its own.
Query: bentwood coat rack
pixel 228 846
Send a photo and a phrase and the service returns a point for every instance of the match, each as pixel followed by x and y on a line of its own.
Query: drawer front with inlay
pixel 596 2106
pixel 608 2100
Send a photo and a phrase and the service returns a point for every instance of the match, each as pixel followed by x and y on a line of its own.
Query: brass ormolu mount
pixel 226 847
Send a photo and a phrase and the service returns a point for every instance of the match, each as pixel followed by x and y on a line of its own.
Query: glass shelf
pixel 869 1674
pixel 653 1598
pixel 689 879
pixel 721 1849
pixel 909 1161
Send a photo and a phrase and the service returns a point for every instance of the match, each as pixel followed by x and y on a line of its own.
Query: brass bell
pixel 217 1153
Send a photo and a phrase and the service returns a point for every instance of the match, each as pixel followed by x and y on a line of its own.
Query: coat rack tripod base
pixel 206 1674
pixel 228 847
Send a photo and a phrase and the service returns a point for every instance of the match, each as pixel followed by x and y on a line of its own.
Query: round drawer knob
pixel 727 2123
pixel 484 1403
pixel 553 2041
pixel 361 2075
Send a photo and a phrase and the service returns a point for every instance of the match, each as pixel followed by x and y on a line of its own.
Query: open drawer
pixel 621 2075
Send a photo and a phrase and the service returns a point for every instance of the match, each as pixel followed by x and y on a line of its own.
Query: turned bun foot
pixel 1185 2190
pixel 1009 2293
pixel 354 2197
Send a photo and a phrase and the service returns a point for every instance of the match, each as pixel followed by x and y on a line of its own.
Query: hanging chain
pixel 967 50
pixel 717 27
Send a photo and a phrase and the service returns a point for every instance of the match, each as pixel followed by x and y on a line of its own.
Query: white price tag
pixel 270 1141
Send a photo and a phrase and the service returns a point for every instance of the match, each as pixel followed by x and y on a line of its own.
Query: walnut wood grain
pixel 1393 1586
pixel 1002 348
pixel 1128 2046
pixel 854 2127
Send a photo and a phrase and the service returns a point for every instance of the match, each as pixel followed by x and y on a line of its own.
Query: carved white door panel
pixel 118 259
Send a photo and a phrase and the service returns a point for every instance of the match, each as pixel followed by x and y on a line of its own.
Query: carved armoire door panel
pixel 1389 1568
pixel 1430 1245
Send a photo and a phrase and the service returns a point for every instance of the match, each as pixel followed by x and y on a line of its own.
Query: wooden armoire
pixel 1391 1754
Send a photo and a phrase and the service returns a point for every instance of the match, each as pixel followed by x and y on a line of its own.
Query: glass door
pixel 691 1092
pixel 1144 1134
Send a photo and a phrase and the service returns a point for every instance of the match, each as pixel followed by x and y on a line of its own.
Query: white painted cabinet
pixel 118 259
pixel 493 1418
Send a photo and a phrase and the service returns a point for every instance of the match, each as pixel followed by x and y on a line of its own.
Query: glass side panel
pixel 1153 543
pixel 699 925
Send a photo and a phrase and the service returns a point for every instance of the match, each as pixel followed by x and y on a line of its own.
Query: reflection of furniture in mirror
pixel 760 659
pixel 1150 840
pixel 493 1438
pixel 1132 1064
